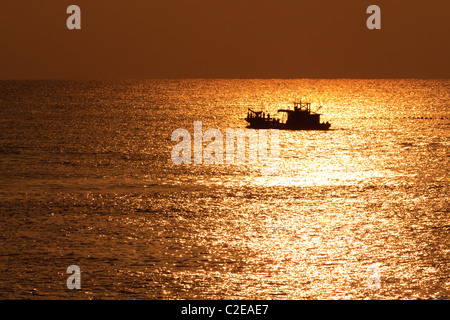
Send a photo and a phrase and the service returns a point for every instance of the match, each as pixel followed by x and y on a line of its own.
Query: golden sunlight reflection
pixel 96 185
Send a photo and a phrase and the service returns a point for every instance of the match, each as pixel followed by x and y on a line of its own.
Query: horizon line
pixel 217 78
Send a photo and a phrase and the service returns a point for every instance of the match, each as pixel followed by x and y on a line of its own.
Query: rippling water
pixel 87 179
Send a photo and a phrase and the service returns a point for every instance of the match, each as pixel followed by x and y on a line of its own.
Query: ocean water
pixel 87 179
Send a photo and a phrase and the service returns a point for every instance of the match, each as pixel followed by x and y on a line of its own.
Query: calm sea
pixel 87 179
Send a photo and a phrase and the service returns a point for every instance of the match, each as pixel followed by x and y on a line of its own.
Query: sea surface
pixel 87 179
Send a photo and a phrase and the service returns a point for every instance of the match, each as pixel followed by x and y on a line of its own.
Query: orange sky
pixel 224 39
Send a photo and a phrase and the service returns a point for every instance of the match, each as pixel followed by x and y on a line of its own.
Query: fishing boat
pixel 300 117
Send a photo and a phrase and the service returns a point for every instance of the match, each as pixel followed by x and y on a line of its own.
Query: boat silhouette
pixel 299 118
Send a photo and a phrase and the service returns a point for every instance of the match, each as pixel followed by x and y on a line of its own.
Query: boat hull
pixel 258 123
